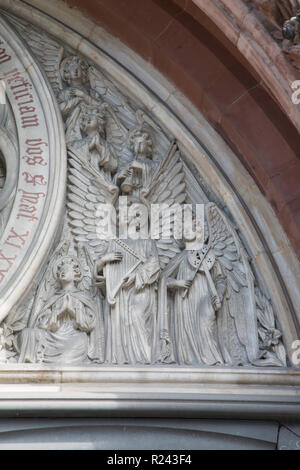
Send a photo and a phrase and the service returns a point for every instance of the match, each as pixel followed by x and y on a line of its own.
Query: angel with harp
pixel 131 269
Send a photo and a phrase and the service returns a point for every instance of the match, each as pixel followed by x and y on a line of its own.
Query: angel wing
pixel 167 187
pixel 88 193
pixel 117 137
pixel 48 52
pixel 240 296
pixel 110 95
pixel 118 133
pixel 122 115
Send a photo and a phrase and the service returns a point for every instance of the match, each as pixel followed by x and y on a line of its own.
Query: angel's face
pixel 190 230
pixel 66 274
pixel 141 145
pixel 91 123
pixel 76 71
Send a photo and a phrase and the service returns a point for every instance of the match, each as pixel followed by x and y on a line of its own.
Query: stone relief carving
pixel 283 22
pixel 60 331
pixel 123 300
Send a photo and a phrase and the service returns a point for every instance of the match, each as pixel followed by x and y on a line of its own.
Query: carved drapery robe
pixel 104 161
pixel 62 331
pixel 140 178
pixel 69 103
pixel 131 312
pixel 194 318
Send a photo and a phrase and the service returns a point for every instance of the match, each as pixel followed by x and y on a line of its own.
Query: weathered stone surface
pixel 75 339
pixel 103 299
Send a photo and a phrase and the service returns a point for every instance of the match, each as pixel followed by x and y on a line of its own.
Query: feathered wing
pixel 167 187
pixel 88 192
pixel 108 93
pixel 239 296
pixel 117 138
pixel 122 118
pixel 48 52
pixel 120 115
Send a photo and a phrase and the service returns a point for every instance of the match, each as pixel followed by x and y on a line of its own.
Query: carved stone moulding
pixel 35 169
pixel 140 392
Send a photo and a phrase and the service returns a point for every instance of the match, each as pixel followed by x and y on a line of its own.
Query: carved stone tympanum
pixel 111 291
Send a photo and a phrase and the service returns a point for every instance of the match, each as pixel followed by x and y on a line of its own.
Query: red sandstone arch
pixel 230 85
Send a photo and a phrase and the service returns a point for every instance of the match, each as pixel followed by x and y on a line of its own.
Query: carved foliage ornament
pixel 119 300
pixel 283 19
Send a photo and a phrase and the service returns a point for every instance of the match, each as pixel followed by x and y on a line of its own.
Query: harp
pixel 116 273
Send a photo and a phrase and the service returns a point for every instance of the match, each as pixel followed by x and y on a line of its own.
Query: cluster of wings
pixel 172 182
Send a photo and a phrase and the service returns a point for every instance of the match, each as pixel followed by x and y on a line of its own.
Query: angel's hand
pixel 135 165
pixel 78 93
pixel 129 280
pixel 113 189
pixel 95 143
pixel 99 280
pixel 216 303
pixel 122 174
pixel 105 107
pixel 126 173
pixel 113 257
pixel 53 323
pixel 43 321
pixel 180 284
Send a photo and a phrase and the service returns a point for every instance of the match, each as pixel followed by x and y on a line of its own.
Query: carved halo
pixel 140 131
pixel 78 270
pixel 65 66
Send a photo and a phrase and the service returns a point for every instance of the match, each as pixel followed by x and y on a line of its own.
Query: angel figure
pixel 139 172
pixel 74 72
pixel 198 285
pixel 130 269
pixel 61 331
pixel 91 143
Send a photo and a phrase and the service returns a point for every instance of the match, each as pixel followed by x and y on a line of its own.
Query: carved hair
pixel 139 132
pixel 98 112
pixel 68 260
pixel 65 68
